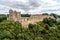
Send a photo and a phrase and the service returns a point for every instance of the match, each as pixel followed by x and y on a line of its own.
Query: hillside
pixel 48 29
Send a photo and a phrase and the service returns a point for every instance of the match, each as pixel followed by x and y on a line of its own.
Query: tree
pixel 9 30
pixel 45 14
pixel 54 15
pixel 3 17
pixel 49 21
pixel 48 29
pixel 25 15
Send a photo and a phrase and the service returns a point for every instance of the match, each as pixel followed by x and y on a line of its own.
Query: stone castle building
pixel 16 16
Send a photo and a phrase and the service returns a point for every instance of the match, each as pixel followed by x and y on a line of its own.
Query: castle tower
pixel 10 14
pixel 14 15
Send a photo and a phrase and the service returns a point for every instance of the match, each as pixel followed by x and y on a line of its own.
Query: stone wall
pixel 16 16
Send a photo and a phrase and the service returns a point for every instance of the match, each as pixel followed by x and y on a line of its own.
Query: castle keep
pixel 16 16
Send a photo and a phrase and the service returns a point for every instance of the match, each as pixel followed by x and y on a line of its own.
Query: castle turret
pixel 10 14
pixel 14 15
pixel 10 11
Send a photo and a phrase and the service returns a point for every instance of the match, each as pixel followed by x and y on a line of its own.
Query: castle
pixel 16 16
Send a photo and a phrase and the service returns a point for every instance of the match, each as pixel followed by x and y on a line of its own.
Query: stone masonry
pixel 16 16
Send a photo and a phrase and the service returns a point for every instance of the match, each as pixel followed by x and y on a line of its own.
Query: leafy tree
pixel 48 29
pixel 49 21
pixel 45 14
pixel 54 15
pixel 9 30
pixel 25 15
pixel 3 17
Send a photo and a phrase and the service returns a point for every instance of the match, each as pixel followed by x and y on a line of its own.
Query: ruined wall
pixel 13 15
pixel 16 16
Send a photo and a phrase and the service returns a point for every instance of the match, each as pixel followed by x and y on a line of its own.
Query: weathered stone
pixel 16 16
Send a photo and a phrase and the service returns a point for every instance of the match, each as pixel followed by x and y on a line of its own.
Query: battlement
pixel 16 16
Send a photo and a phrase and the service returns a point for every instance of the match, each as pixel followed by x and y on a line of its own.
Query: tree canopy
pixel 48 29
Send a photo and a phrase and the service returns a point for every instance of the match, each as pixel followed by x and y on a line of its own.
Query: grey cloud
pixel 34 3
pixel 30 5
pixel 50 10
pixel 19 5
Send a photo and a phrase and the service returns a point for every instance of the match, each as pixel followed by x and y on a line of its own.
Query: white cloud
pixel 32 6
pixel 48 1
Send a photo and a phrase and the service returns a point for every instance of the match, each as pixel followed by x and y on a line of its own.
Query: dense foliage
pixel 3 17
pixel 55 15
pixel 45 14
pixel 25 15
pixel 48 29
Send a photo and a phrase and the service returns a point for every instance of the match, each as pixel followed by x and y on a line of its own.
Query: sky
pixel 30 6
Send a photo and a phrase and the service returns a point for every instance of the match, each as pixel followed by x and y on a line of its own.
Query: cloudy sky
pixel 30 6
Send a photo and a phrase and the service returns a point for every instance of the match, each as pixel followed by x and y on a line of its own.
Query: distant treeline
pixel 52 14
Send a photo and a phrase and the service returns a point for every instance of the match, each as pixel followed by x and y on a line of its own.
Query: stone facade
pixel 16 16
